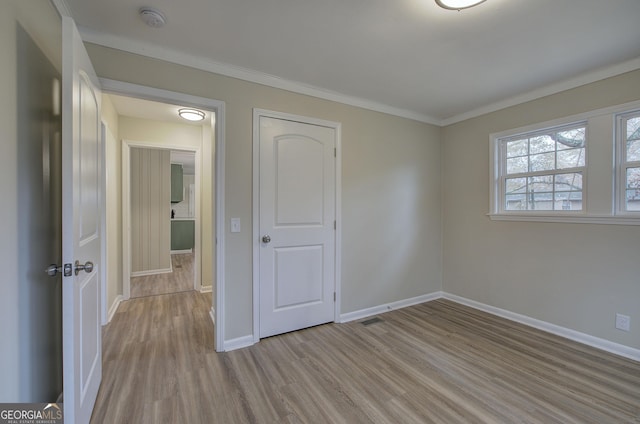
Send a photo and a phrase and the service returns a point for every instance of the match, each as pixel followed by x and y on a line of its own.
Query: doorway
pixel 165 256
pixel 209 156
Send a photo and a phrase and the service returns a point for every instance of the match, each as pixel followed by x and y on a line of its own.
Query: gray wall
pixel 150 210
pixel 572 275
pixel 390 186
pixel 30 301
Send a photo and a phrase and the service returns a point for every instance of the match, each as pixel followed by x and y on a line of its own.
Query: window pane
pixel 515 202
pixel 543 162
pixel 541 201
pixel 633 128
pixel 541 144
pixel 571 138
pixel 542 183
pixel 517 165
pixel 633 178
pixel 516 185
pixel 633 200
pixel 633 189
pixel 568 201
pixel 633 150
pixel 517 148
pixel 572 158
pixel 568 182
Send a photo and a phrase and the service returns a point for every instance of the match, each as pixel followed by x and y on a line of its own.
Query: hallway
pixel 180 280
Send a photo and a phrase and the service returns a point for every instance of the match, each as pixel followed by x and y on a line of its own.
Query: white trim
pixel 206 289
pixel 181 252
pixel 577 81
pixel 567 219
pixel 387 307
pixel 208 65
pixel 151 272
pixel 114 308
pixel 586 339
pixel 62 8
pixel 104 268
pixel 238 343
pixel 337 127
pixel 156 94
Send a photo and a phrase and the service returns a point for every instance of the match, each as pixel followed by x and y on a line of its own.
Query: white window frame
pixel 602 189
pixel 502 176
pixel 622 164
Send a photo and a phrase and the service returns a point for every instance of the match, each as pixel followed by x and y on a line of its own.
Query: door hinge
pixel 335 152
pixel 334 296
pixel 335 225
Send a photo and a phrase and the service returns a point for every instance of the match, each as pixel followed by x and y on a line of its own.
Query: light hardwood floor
pixel 181 279
pixel 438 362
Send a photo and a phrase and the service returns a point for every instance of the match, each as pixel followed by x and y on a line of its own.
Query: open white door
pixel 81 241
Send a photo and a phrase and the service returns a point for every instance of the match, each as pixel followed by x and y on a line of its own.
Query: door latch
pixel 53 270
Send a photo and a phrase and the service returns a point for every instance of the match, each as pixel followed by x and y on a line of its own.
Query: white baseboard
pixel 606 345
pixel 114 307
pixel 239 343
pixel 206 289
pixel 364 313
pixel 212 314
pixel 152 272
pixel 181 252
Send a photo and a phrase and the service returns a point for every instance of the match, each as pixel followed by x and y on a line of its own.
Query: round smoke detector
pixel 152 17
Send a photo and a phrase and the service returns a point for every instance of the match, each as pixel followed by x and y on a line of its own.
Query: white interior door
pixel 81 235
pixel 296 224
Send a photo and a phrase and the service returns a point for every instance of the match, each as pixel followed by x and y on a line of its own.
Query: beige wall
pixel 150 211
pixel 390 186
pixel 113 151
pixel 572 275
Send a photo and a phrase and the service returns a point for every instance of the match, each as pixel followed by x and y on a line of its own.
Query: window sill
pixel 568 219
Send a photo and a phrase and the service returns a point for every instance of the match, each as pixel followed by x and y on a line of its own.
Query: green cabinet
pixel 176 183
pixel 182 234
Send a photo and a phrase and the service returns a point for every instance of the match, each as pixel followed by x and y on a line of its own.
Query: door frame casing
pixel 337 127
pixel 165 96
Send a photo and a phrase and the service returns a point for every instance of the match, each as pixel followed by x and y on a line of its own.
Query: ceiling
pixel 146 109
pixel 406 57
pixel 156 111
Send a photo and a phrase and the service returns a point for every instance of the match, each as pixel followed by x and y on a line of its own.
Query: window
pixel 543 170
pixel 583 168
pixel 628 148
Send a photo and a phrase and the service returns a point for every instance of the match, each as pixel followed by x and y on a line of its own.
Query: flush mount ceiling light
pixel 458 4
pixel 152 17
pixel 191 114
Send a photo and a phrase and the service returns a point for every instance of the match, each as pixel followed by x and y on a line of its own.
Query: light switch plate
pixel 235 225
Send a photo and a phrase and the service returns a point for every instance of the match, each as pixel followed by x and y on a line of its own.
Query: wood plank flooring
pixel 181 279
pixel 438 362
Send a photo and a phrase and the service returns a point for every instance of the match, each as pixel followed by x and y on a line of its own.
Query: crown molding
pixel 208 65
pixel 568 84
pixel 204 64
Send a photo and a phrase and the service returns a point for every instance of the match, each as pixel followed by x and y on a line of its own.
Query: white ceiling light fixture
pixel 191 114
pixel 458 4
pixel 152 17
